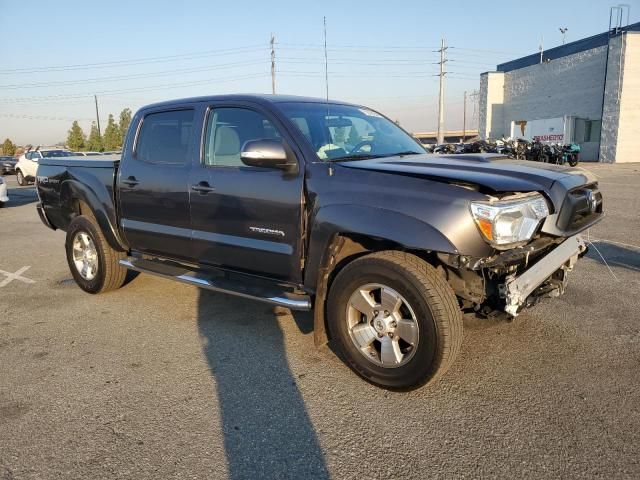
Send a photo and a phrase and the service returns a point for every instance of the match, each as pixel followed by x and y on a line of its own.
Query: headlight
pixel 510 220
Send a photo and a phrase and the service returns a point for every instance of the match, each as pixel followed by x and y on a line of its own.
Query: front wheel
pixel 573 160
pixel 394 320
pixel 93 263
pixel 20 178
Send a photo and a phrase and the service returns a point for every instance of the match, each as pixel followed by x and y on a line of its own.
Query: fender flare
pixel 332 223
pixel 96 196
pixel 376 223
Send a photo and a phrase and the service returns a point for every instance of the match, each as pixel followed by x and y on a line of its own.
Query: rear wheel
pixel 93 263
pixel 20 178
pixel 394 320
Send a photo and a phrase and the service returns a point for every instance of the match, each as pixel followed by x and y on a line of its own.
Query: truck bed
pixel 87 179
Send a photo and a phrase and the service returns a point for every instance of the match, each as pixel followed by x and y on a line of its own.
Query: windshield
pixel 344 132
pixel 55 153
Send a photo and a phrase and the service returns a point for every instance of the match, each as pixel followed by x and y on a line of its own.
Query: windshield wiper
pixel 347 158
pixel 407 152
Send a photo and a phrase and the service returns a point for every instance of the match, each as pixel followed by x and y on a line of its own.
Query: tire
pixel 109 274
pixel 573 160
pixel 20 178
pixel 428 298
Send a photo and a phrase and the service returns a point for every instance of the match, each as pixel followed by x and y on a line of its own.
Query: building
pixel 586 92
pixel 450 136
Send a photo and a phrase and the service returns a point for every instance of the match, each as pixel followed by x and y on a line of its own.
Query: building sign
pixel 546 130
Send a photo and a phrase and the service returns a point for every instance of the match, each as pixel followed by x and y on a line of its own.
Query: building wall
pixel 491 120
pixel 620 141
pixel 566 86
pixel 569 86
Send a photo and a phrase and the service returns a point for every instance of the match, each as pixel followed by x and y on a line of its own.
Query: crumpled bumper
pixel 516 290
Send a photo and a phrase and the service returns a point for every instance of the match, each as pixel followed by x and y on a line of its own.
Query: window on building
pixel 592 130
pixel 587 130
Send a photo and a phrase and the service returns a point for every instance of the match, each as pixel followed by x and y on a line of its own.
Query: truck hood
pixel 493 172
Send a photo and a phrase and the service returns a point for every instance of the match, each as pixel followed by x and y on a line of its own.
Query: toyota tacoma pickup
pixel 324 206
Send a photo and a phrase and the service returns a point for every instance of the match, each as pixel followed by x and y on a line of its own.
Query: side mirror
pixel 267 153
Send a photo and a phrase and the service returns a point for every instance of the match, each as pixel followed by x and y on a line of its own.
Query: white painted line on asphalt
pixel 15 276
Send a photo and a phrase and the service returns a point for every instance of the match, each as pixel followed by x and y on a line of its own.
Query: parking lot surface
pixel 161 380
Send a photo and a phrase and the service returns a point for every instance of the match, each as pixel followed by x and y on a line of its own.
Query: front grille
pixel 581 207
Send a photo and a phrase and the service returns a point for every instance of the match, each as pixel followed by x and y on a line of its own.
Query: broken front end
pixel 527 264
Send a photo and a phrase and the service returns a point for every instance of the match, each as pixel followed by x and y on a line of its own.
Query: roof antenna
pixel 326 62
pixel 326 78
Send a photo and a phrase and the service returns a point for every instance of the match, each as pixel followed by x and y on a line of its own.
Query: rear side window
pixel 165 137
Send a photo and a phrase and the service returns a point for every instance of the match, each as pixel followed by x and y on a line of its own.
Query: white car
pixel 4 198
pixel 27 165
pixel 87 154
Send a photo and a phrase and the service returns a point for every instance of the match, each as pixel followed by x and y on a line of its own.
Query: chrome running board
pixel 238 284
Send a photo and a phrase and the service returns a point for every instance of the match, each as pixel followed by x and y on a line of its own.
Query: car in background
pixel 27 165
pixel 113 152
pixel 4 197
pixel 87 154
pixel 7 165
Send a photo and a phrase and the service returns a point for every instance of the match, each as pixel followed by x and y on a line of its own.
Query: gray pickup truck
pixel 327 206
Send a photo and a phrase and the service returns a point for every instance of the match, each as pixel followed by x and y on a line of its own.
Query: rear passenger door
pixel 153 184
pixel 245 218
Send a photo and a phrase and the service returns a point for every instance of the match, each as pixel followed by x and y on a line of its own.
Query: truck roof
pixel 253 97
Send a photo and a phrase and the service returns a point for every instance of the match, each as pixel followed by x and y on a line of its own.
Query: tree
pixel 8 148
pixel 111 137
pixel 125 121
pixel 76 138
pixel 94 142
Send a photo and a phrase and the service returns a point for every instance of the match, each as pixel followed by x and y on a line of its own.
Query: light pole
pixel 563 31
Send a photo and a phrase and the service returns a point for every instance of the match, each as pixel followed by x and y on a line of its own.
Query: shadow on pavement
pixel 616 255
pixel 19 196
pixel 267 431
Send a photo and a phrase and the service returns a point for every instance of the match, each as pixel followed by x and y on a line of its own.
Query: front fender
pixel 92 192
pixel 372 222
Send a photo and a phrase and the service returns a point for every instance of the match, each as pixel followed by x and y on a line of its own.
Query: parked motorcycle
pixel 571 154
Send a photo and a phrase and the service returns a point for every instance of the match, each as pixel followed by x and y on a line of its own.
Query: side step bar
pixel 237 284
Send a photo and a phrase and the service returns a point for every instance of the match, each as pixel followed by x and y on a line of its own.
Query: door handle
pixel 202 187
pixel 130 181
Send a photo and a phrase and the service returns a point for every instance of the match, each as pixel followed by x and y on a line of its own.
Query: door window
pixel 165 137
pixel 228 129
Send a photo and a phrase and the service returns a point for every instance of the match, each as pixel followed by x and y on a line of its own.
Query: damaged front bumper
pixel 546 277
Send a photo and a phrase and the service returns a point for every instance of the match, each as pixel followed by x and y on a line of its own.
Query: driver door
pixel 245 218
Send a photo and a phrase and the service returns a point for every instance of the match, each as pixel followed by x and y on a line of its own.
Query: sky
pixel 55 55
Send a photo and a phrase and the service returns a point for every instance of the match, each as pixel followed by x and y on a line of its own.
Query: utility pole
pixel 273 64
pixel 464 118
pixel 95 97
pixel 442 61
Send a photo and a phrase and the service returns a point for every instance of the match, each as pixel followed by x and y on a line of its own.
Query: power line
pixel 137 89
pixel 132 76
pixel 140 61
pixel 41 117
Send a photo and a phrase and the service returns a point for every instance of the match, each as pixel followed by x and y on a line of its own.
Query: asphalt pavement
pixel 161 380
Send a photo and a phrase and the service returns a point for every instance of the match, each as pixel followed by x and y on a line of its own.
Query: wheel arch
pixel 343 233
pixel 78 198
